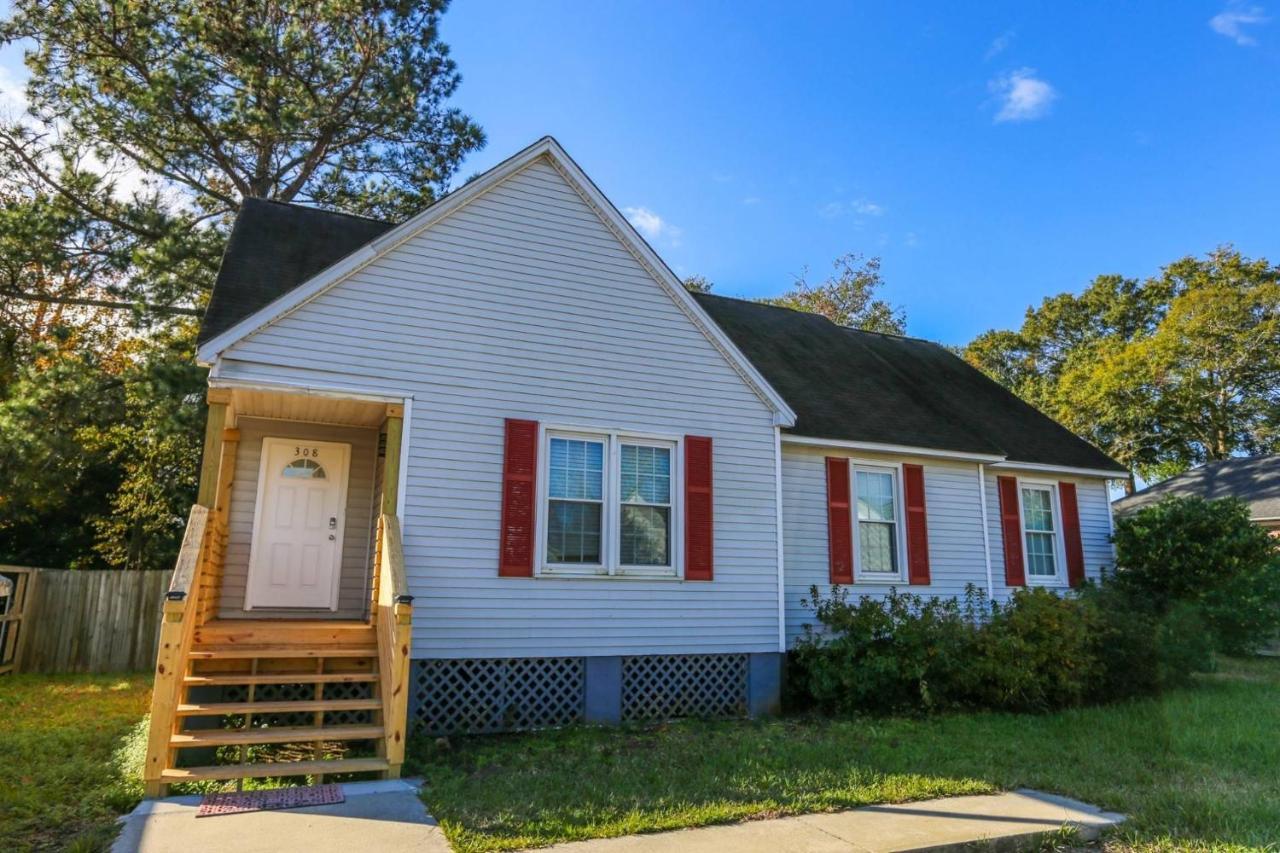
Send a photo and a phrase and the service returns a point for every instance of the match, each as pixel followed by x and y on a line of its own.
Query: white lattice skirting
pixel 481 695
pixel 660 687
pixel 498 694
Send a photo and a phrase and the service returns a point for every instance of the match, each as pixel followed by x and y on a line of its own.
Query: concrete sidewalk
pixel 1000 821
pixel 376 816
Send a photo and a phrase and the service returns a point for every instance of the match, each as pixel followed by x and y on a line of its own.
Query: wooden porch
pixel 267 697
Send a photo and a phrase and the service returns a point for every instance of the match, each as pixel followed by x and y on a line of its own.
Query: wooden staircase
pixel 245 699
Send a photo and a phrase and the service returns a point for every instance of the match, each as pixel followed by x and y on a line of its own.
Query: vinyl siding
pixel 524 304
pixel 953 504
pixel 356 539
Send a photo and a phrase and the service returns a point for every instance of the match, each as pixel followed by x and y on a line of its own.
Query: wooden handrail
pixel 393 616
pixel 189 555
pixel 182 607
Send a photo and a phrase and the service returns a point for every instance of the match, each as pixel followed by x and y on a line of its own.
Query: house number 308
pixel 306 451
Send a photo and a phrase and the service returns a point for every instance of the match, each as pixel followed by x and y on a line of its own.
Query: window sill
pixel 602 574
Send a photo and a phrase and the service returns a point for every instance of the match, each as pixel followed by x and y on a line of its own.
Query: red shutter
pixel 699 527
pixel 519 492
pixel 1071 533
pixel 839 529
pixel 917 525
pixel 1011 531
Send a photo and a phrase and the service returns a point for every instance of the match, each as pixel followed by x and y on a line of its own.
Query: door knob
pixel 333 522
pixel 332 537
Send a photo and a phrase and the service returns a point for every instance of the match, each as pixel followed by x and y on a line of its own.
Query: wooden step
pixel 280 632
pixel 281 651
pixel 193 709
pixel 280 678
pixel 282 768
pixel 278 734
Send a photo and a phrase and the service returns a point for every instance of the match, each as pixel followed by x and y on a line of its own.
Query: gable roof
pixel 289 298
pixel 1253 479
pixel 272 249
pixel 851 385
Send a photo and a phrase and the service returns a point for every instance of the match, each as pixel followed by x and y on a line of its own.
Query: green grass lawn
pixel 1198 769
pixel 60 784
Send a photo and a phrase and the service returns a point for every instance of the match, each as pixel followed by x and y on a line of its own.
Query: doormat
pixel 275 798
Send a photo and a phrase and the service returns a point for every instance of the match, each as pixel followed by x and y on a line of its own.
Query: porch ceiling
pixel 302 406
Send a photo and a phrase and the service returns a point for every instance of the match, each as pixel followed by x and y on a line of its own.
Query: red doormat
pixel 274 798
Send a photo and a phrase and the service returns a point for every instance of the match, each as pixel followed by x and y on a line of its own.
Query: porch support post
pixel 219 403
pixel 391 463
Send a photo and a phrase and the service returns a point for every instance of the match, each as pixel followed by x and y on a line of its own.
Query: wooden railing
pixel 185 607
pixel 392 614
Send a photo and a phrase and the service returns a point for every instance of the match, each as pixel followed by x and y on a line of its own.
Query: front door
pixel 295 558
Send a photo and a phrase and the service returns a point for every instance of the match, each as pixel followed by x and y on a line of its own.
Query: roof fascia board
pixel 1062 469
pixel 901 449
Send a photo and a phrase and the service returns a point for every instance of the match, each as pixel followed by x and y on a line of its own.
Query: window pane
pixel 646 536
pixel 573 532
pixel 576 469
pixel 1040 556
pixel 877 547
pixel 875 496
pixel 646 474
pixel 1038 505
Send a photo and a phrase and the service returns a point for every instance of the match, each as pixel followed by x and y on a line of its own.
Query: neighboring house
pixel 1253 479
pixel 500 452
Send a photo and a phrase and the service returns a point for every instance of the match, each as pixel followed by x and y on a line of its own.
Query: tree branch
pixel 99 303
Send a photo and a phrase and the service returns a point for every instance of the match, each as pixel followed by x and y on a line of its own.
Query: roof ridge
pixel 293 205
pixel 762 303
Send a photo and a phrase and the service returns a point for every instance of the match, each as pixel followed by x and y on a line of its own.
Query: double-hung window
pixel 1040 531
pixel 878 533
pixel 610 505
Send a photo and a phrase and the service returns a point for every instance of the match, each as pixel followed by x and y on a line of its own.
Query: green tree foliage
pixel 147 124
pixel 1161 373
pixel 1207 555
pixel 847 298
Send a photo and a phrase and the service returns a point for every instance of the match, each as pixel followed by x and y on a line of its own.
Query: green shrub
pixel 1207 555
pixel 898 653
pixel 1036 653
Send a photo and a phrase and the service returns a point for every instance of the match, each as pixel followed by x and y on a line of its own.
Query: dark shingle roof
pixel 1253 479
pixel 273 248
pixel 862 386
pixel 842 383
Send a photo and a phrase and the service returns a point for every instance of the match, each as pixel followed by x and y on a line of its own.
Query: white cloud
pixel 13 98
pixel 858 207
pixel 651 225
pixel 1023 95
pixel 831 209
pixel 999 45
pixel 1231 22
pixel 752 200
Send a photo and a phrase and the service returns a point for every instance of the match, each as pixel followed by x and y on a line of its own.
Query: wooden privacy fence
pixel 15 593
pixel 91 621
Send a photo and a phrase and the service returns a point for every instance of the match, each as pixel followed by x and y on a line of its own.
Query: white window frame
pixel 611 565
pixel 1059 576
pixel 860 574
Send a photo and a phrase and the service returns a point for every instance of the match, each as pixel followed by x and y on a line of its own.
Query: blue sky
pixel 989 155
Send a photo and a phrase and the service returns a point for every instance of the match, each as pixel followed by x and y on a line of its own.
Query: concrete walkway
pixel 1002 821
pixel 376 816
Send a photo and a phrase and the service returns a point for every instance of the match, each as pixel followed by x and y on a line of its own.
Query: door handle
pixel 333 522
pixel 332 537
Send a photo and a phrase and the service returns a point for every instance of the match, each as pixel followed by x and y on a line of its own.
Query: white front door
pixel 295 558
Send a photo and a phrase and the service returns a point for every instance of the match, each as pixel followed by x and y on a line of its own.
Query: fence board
pixel 93 621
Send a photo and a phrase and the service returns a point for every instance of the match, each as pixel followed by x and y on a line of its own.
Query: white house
pixel 498 463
